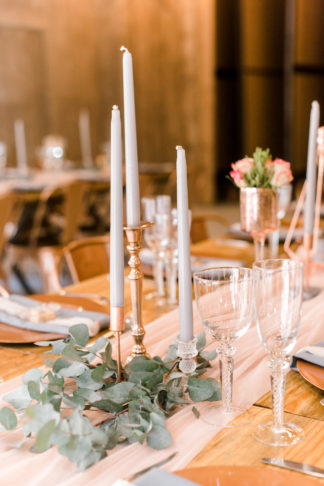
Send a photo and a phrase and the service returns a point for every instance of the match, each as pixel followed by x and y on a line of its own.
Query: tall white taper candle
pixel 184 267
pixel 85 138
pixel 116 214
pixel 132 182
pixel 20 141
pixel 309 210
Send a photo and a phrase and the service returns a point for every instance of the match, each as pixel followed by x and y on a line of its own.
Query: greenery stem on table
pixel 51 406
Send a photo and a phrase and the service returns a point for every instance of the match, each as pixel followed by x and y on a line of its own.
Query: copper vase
pixel 258 213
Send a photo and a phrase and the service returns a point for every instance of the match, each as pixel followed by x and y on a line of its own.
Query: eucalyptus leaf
pixel 98 373
pixel 18 398
pixel 44 435
pixel 8 418
pixel 71 353
pixel 73 370
pixel 86 381
pixel 80 334
pixel 209 355
pixel 34 390
pixel 98 345
pixel 32 375
pixel 201 340
pixel 159 438
pixel 119 393
pixel 199 389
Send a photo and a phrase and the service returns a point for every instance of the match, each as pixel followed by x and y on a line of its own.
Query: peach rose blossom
pixel 243 165
pixel 282 174
pixel 237 177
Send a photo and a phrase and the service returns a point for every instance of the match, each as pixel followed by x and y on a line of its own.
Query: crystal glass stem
pixel 226 375
pixel 274 242
pixel 158 275
pixel 258 249
pixel 171 277
pixel 278 382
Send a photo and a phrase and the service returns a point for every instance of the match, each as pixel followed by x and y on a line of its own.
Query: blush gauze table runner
pixel 190 435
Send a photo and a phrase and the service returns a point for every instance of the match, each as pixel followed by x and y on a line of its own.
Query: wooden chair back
pixel 88 257
pixel 199 230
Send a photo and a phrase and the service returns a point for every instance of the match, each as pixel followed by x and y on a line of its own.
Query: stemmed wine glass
pixel 283 201
pixel 278 298
pixel 225 307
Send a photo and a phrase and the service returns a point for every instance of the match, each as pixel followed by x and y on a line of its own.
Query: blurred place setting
pixel 161 242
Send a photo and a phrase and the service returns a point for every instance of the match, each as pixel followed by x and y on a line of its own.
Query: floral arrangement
pixel 261 171
pixel 53 406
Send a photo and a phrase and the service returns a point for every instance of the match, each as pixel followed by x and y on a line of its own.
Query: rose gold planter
pixel 258 213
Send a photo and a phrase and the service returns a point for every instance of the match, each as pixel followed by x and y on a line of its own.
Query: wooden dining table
pixel 232 445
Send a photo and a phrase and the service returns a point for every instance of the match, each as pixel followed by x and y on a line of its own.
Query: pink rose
pixel 237 177
pixel 282 174
pixel 243 165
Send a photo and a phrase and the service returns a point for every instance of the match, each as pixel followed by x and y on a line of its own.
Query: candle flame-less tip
pixel 115 107
pixel 315 103
pixel 124 49
pixel 179 147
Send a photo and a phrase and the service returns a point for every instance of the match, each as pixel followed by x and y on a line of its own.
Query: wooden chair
pixel 71 195
pixel 199 223
pixel 6 209
pixel 87 258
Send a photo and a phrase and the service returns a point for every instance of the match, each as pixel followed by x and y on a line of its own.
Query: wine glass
pixel 225 307
pixel 283 201
pixel 278 298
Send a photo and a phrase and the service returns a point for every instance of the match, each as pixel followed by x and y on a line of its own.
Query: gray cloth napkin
pixel 62 312
pixel 308 357
pixel 158 477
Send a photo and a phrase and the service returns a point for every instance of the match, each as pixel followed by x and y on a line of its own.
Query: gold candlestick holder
pixel 310 241
pixel 135 277
pixel 117 325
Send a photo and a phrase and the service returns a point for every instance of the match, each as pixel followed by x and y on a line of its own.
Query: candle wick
pixel 124 49
pixel 115 107
pixel 179 147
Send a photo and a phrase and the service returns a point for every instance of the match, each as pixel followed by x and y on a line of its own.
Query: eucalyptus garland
pixel 52 405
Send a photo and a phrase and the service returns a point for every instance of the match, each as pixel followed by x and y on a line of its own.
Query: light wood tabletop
pixel 231 446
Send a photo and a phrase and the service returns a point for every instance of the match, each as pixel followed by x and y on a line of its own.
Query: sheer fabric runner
pixel 251 380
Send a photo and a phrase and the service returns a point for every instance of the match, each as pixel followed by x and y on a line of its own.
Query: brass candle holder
pixel 135 277
pixel 310 241
pixel 117 325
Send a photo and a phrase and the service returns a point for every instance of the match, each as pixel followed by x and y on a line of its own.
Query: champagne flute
pixel 278 298
pixel 225 307
pixel 283 201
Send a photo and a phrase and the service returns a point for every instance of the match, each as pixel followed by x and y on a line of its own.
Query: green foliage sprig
pixel 52 406
pixel 259 175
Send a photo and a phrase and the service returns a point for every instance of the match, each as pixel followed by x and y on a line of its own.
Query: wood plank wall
pixel 59 56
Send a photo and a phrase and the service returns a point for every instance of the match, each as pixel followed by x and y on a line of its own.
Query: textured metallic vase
pixel 258 213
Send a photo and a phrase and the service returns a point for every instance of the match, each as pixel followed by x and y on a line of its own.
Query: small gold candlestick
pixel 117 325
pixel 135 276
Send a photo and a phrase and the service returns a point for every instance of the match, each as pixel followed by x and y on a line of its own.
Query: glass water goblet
pixel 278 298
pixel 148 211
pixel 225 307
pixel 284 194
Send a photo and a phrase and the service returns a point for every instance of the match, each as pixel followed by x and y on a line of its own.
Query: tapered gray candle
pixel 309 211
pixel 116 214
pixel 20 141
pixel 184 267
pixel 132 182
pixel 85 138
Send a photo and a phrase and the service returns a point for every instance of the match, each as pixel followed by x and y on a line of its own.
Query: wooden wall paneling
pixel 307 87
pixel 262 117
pixel 22 86
pixel 111 35
pixel 262 33
pixel 173 56
pixel 72 67
pixel 309 33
